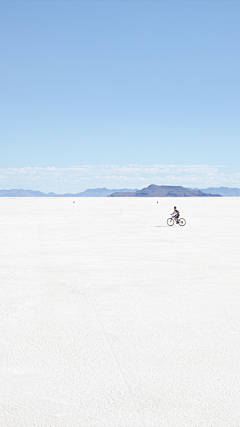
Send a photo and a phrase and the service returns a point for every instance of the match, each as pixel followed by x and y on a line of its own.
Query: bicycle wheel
pixel 170 221
pixel 182 222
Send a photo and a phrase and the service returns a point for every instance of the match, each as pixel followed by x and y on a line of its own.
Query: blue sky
pixel 119 94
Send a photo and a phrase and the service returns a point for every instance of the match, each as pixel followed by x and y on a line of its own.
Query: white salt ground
pixel 110 318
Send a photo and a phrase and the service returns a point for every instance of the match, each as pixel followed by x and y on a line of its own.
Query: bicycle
pixel 180 221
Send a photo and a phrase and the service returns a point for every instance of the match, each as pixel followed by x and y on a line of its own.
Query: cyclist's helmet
pixel 175 207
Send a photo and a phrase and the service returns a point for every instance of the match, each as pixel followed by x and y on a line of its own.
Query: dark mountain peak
pixel 154 190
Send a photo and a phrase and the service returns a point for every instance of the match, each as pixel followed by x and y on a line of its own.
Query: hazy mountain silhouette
pixel 95 192
pixel 151 191
pixel 223 191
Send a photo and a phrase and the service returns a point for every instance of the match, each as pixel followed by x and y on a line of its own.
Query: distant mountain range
pixel 164 191
pixel 95 192
pixel 223 191
pixel 151 191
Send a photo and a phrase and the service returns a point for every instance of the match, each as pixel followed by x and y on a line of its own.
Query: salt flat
pixel 110 318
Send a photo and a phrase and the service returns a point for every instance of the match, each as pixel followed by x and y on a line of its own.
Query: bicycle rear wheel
pixel 170 221
pixel 182 222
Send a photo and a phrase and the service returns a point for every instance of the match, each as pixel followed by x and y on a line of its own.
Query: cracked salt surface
pixel 108 318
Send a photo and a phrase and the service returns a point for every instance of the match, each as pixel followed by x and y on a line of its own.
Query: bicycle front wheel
pixel 170 221
pixel 182 222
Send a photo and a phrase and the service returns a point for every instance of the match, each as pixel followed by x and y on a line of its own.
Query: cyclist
pixel 176 214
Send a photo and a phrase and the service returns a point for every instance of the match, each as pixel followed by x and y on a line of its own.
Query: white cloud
pixel 79 178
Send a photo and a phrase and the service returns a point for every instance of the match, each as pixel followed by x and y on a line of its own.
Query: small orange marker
pixel 73 202
pixel 157 202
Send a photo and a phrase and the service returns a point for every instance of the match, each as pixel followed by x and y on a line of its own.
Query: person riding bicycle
pixel 175 214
